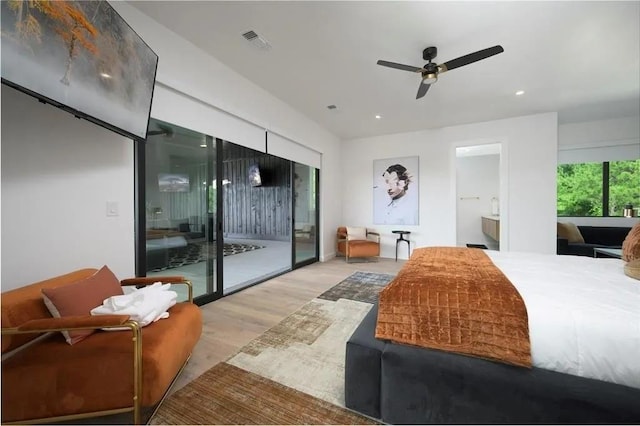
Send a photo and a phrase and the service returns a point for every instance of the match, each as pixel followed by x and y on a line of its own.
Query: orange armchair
pixel 357 242
pixel 46 380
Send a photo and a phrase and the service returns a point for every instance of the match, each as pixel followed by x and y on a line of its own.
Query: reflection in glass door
pixel 220 214
pixel 256 219
pixel 305 213
pixel 180 208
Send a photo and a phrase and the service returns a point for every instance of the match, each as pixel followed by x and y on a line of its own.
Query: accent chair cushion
pixel 80 297
pixel 570 231
pixel 98 373
pixel 631 244
pixel 356 233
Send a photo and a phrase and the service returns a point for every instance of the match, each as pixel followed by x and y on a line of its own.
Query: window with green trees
pixel 598 189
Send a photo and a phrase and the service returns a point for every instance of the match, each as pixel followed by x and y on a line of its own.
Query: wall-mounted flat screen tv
pixel 80 56
pixel 173 182
pixel 255 179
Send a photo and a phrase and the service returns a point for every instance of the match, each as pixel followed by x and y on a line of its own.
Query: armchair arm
pixel 84 322
pixel 141 281
pixel 377 235
pixel 144 281
pixel 79 322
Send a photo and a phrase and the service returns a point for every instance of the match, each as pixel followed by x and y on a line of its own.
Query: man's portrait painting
pixel 395 191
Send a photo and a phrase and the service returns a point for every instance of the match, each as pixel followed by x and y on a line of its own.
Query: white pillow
pixel 356 233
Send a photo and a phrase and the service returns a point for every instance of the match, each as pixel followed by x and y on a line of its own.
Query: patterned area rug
pixel 297 365
pixel 229 395
pixel 197 252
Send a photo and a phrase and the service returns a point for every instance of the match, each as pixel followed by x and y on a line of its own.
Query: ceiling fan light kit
pixel 429 78
pixel 430 71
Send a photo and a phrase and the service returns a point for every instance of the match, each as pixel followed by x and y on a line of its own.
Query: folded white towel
pixel 120 302
pixel 144 305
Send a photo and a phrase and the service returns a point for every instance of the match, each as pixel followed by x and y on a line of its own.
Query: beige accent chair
pixel 357 242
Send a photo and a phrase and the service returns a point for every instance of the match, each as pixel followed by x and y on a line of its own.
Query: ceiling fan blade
pixel 422 90
pixel 399 66
pixel 470 58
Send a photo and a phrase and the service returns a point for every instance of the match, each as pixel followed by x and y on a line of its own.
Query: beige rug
pixel 306 351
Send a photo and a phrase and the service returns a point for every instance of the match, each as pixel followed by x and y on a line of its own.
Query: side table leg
pixel 408 249
pixel 397 241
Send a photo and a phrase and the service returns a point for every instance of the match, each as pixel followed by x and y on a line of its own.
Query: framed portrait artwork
pixel 395 191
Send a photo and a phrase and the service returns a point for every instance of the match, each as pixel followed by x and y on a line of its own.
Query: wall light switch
pixel 112 208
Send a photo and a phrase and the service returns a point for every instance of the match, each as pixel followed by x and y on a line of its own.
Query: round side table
pixel 401 238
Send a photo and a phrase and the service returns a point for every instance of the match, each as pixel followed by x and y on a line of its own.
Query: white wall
pixel 530 145
pixel 58 173
pixel 477 181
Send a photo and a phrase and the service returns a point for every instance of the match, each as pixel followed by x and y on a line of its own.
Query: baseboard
pixel 327 257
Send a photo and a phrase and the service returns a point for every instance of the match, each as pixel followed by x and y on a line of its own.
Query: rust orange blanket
pixel 456 299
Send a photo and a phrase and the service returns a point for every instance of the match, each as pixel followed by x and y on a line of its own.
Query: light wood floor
pixel 235 320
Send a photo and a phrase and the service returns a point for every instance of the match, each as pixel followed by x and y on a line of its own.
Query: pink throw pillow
pixel 80 297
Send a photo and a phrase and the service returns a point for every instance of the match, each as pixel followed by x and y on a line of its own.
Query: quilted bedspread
pixel 457 300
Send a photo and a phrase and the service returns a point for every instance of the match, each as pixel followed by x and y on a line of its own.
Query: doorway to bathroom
pixel 481 195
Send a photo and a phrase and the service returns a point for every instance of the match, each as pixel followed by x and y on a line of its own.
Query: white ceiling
pixel 581 59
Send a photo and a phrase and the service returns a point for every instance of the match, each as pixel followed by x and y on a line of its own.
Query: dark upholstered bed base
pixel 405 384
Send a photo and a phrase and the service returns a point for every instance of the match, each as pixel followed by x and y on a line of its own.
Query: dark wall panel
pixel 256 212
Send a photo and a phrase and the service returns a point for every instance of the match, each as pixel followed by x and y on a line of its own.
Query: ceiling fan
pixel 430 71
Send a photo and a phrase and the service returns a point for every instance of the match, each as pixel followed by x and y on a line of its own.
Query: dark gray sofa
pixel 402 384
pixel 594 237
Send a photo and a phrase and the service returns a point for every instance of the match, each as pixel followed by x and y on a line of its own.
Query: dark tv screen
pixel 80 56
pixel 173 182
pixel 255 179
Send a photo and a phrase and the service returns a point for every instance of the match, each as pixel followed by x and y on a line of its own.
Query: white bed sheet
pixel 584 314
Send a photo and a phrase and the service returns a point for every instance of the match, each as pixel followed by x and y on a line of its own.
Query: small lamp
pixel 628 211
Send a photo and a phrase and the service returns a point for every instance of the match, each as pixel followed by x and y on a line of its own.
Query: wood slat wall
pixel 256 212
pixel 249 212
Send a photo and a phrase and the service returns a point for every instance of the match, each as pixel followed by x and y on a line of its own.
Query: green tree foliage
pixel 624 185
pixel 580 188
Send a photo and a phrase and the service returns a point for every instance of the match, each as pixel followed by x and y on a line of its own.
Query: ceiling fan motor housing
pixel 430 53
pixel 430 73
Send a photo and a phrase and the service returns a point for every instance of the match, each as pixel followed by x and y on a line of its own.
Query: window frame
pixel 605 190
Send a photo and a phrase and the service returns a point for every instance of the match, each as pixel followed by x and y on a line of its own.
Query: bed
pixel 584 331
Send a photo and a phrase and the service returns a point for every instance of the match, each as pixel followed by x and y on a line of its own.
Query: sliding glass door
pixel 305 213
pixel 180 207
pixel 256 189
pixel 222 215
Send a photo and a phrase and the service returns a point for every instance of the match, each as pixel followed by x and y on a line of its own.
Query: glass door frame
pixel 140 222
pixel 214 227
pixel 316 258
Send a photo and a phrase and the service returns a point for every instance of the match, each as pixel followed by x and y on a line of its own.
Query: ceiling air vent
pixel 257 40
pixel 332 107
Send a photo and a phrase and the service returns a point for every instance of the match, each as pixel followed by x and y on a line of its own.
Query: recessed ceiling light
pixel 105 75
pixel 378 117
pixel 203 145
pixel 520 92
